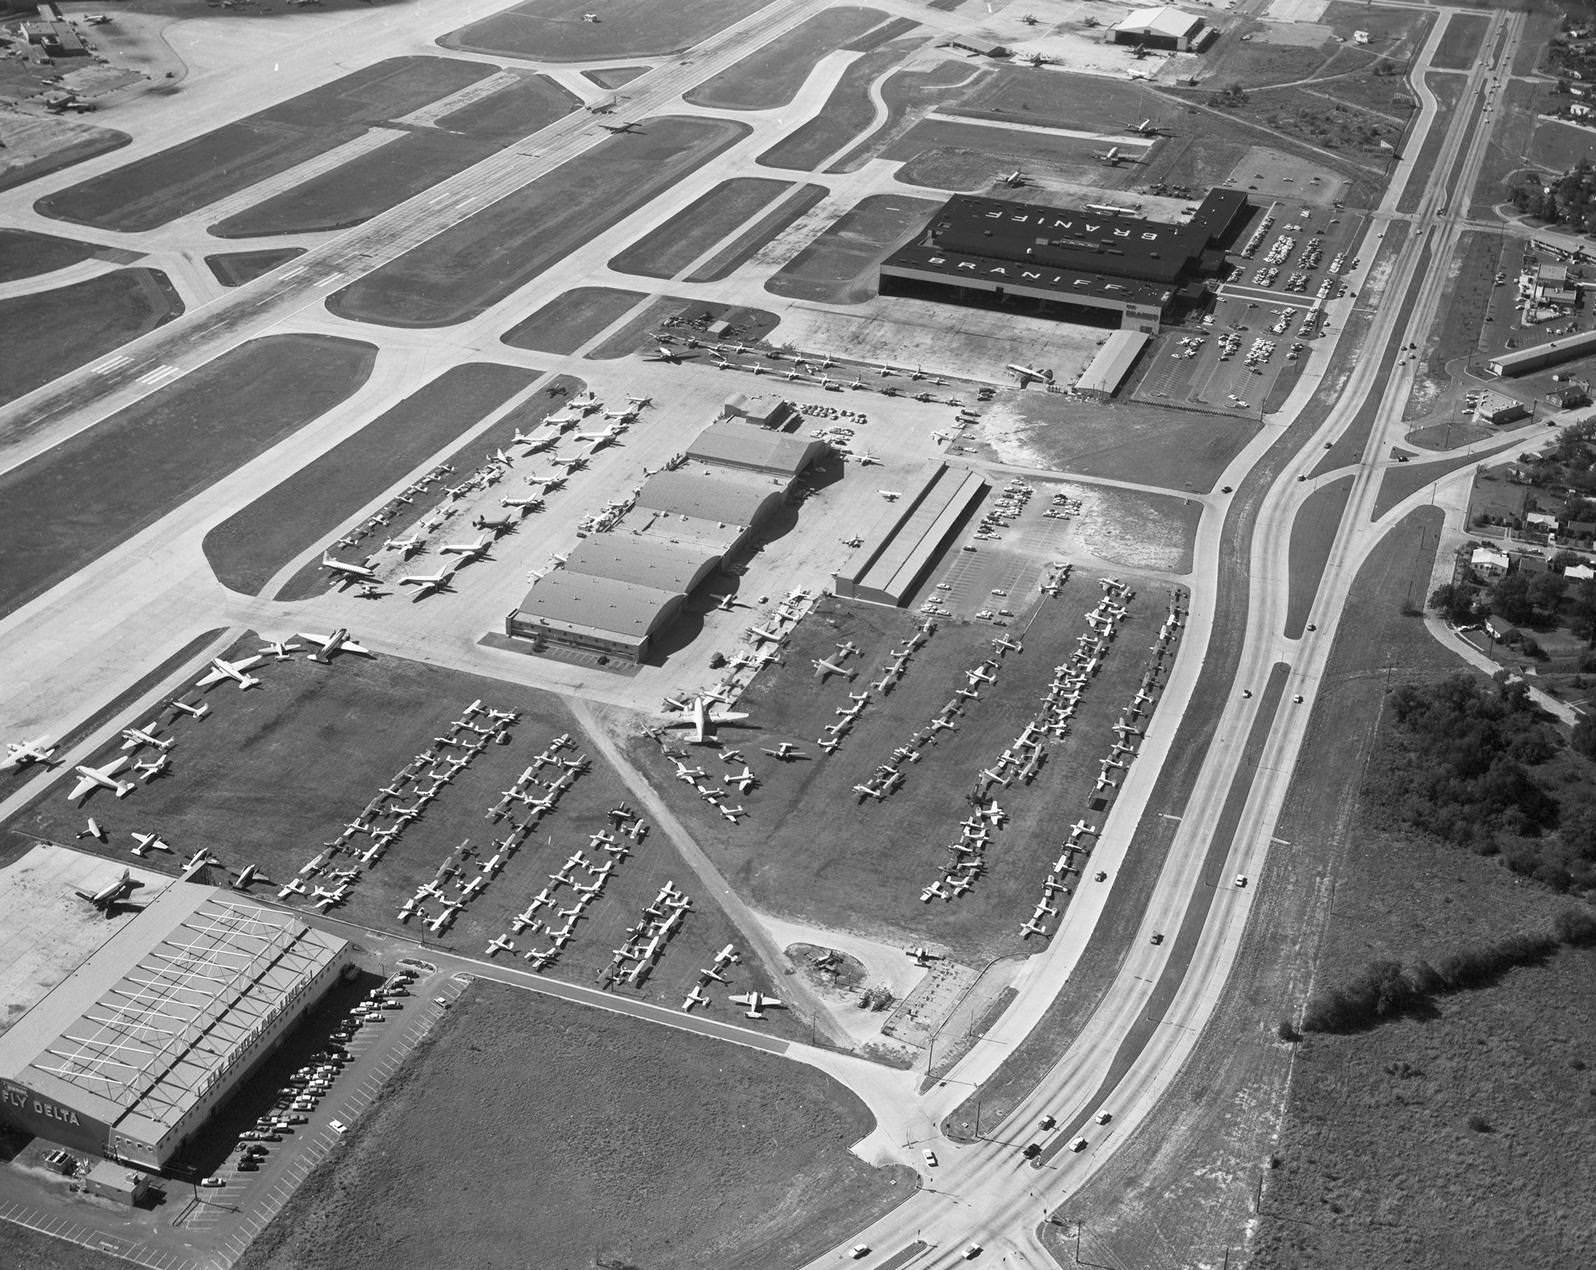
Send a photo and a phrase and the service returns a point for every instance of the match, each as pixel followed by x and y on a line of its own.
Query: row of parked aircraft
pixel 645 939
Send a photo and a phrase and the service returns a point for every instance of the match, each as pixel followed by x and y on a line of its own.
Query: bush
pixel 1479 1123
pixel 1287 1031
pixel 1575 927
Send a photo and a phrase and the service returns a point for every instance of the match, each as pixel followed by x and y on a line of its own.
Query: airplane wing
pixel 322 640
pixel 349 646
pixel 247 663
pixel 211 676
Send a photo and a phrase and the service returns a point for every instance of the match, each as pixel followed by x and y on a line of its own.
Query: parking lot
pixel 1266 314
pixel 1022 527
pixel 237 1201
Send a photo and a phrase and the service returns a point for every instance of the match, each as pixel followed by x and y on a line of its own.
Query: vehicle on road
pixel 1158 937
pixel 930 1158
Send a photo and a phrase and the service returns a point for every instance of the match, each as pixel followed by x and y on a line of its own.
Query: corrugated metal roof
pixel 1112 363
pixel 730 441
pixel 622 611
pixel 162 1010
pixel 643 561
pixel 723 495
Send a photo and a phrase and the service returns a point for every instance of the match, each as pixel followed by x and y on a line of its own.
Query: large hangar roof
pixel 723 495
pixel 737 444
pixel 1076 241
pixel 1112 363
pixel 1164 20
pixel 164 1008
pixel 608 607
pixel 644 561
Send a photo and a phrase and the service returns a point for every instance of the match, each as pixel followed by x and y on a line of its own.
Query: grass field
pixel 360 189
pixel 1460 42
pixel 235 268
pixel 1513 124
pixel 570 320
pixel 1312 535
pixel 254 782
pixel 757 233
pixel 382 178
pixel 24 254
pixel 1017 94
pixel 312 580
pixel 615 76
pixel 632 1146
pixel 633 334
pixel 669 248
pixel 1558 146
pixel 23 1247
pixel 512 112
pixel 481 260
pixel 772 76
pixel 839 267
pixel 1128 441
pixel 1400 482
pixel 93 141
pixel 1448 90
pixel 49 333
pixel 979 154
pixel 162 450
pixel 904 93
pixel 553 30
pixel 1469 294
pixel 255 542
pixel 161 187
pixel 847 112
pixel 814 850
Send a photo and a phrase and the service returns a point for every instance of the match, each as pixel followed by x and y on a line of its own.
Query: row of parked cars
pixel 302 1092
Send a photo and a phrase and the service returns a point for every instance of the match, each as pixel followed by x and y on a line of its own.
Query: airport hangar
pixel 129 1054
pixel 618 590
pixel 1061 261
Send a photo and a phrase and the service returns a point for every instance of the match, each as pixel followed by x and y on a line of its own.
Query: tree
pixel 1455 603
pixel 1510 597
pixel 1584 737
pixel 1582 610
pixel 1546 593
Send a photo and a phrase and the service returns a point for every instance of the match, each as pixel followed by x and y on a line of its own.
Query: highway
pixel 984 1193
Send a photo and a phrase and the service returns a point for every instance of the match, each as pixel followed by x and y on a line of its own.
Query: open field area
pixel 960 156
pixel 49 333
pixel 787 859
pixel 669 248
pixel 772 76
pixel 480 261
pixel 907 94
pixel 250 546
pixel 1512 124
pixel 570 320
pixel 163 449
pixel 36 146
pixel 1127 441
pixel 745 1154
pixel 235 268
pixel 262 757
pixel 840 266
pixel 759 232
pixel 24 254
pixel 847 112
pixel 1017 94
pixel 1461 42
pixel 633 335
pixel 1312 536
pixel 382 178
pixel 1451 348
pixel 161 187
pixel 553 30
pixel 1558 145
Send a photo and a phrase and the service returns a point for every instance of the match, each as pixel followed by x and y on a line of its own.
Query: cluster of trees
pixel 1569 199
pixel 1456 760
pixel 1388 989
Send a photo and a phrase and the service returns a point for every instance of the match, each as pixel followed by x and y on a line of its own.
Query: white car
pixel 1241 879
pixel 930 1158
pixel 338 1126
